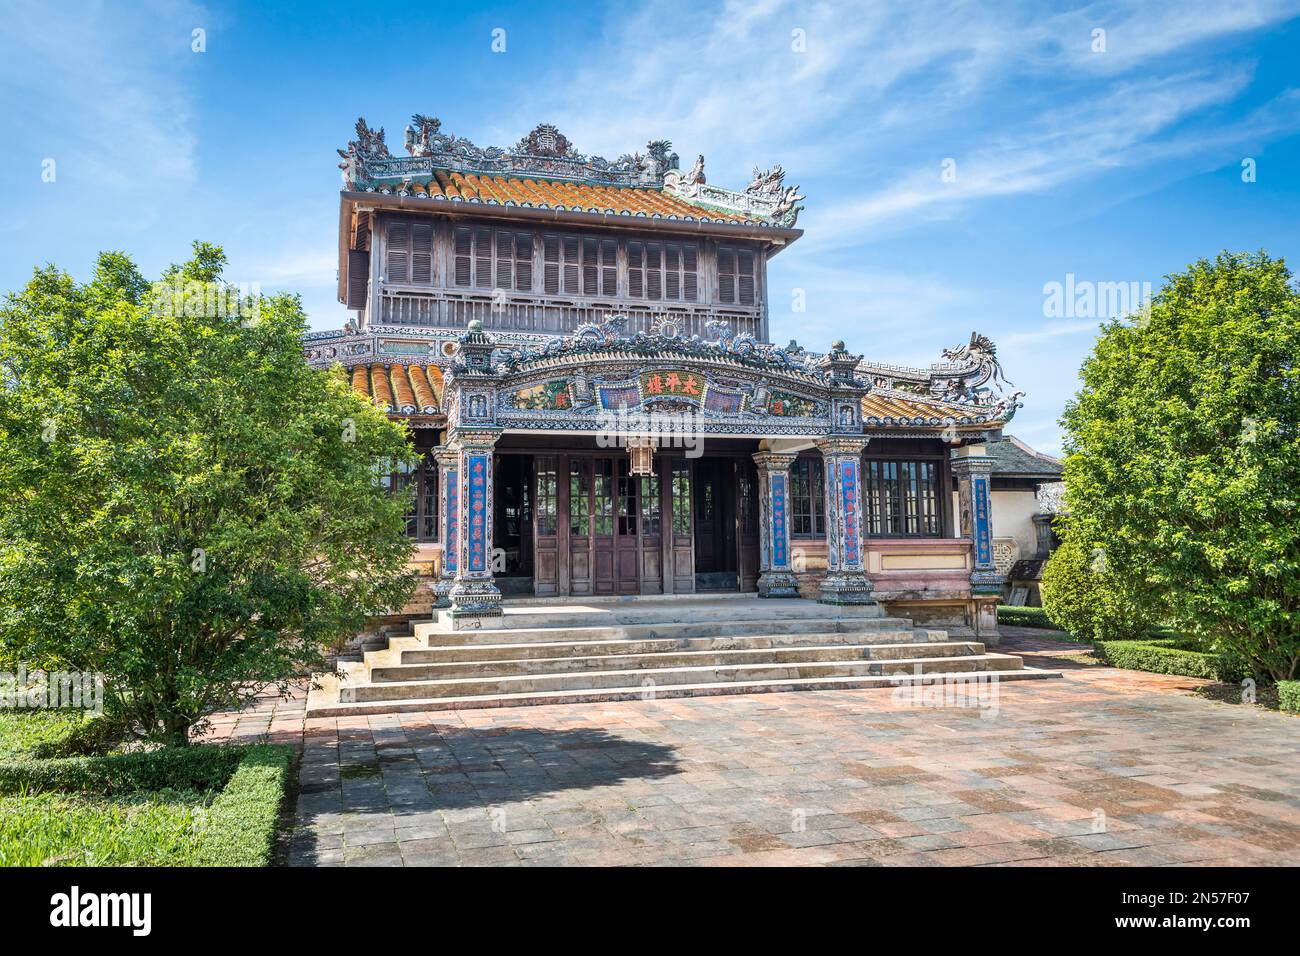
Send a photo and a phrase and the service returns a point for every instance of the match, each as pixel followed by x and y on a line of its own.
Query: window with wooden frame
pixel 420 482
pixel 579 265
pixel 901 499
pixel 547 495
pixel 493 258
pixel 409 253
pixel 736 276
pixel 807 498
pixel 663 271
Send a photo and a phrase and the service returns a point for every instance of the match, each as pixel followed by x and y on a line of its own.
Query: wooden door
pixel 681 548
pixel 706 516
pixel 604 567
pixel 747 524
pixel 546 526
pixel 627 546
pixel 581 567
pixel 651 564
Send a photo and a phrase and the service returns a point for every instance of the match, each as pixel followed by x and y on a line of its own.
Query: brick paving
pixel 1103 767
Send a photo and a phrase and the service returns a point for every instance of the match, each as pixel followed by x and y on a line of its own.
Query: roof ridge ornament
pixel 969 371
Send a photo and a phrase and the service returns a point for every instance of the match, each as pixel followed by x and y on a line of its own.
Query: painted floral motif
pixel 548 396
pixel 785 405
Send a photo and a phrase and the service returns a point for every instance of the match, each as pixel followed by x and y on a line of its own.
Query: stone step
pixel 573 663
pixel 657 611
pixel 672 676
pixel 674 630
pixel 688 641
pixel 324 699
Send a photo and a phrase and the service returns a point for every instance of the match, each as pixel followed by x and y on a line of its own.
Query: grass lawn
pixel 195 806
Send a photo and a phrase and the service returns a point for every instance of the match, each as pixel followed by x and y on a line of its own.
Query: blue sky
pixel 1114 165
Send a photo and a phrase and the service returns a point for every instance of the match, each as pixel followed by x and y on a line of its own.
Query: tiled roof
pixel 646 201
pixel 1013 458
pixel 400 389
pixel 882 410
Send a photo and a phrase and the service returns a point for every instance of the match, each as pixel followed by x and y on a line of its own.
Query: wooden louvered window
pixel 579 265
pixel 422 253
pixel 398 264
pixel 663 271
pixel 736 280
pixel 493 259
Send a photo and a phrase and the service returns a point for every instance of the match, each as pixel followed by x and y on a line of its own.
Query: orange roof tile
pixel 400 389
pixel 884 410
pixel 580 197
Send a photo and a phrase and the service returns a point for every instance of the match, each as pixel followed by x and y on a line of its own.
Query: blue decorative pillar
pixel 449 510
pixel 776 578
pixel 475 598
pixel 973 469
pixel 846 580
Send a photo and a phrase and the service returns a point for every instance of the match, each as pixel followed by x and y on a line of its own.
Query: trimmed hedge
pixel 1025 617
pixel 1288 695
pixel 1168 656
pixel 240 824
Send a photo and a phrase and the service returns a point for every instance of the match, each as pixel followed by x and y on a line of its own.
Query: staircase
pixel 643 648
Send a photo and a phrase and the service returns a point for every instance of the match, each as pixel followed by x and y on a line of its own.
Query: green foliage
pixel 195 806
pixel 25 734
pixel 185 505
pixel 1024 617
pixel 1184 455
pixel 1082 596
pixel 1288 695
pixel 1169 656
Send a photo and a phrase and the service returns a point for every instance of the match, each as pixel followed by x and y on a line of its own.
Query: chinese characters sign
pixel 670 384
pixel 780 539
pixel 980 508
pixel 477 466
pixel 849 502
pixel 453 520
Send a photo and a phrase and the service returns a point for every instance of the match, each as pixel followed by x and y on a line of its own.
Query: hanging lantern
pixel 643 457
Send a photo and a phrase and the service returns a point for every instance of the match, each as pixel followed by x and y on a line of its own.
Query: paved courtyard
pixel 1103 767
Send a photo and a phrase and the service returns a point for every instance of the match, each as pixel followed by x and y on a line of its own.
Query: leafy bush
pixel 196 806
pixel 1288 695
pixel 1024 617
pixel 1082 596
pixel 25 734
pixel 1170 656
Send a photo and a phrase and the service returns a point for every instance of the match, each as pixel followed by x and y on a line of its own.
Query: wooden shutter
pixel 505 278
pixel 399 250
pixel 482 258
pixel 654 270
pixel 745 277
pixel 570 248
pixel 690 268
pixel 464 256
pixel 672 271
pixel 358 277
pixel 524 262
pixel 609 267
pixel 551 265
pixel 422 253
pixel 726 275
pixel 590 267
pixel 636 269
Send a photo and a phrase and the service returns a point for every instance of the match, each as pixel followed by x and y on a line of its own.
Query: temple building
pixel 581 350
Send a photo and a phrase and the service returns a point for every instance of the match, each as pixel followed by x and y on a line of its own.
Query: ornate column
pixel 973 469
pixel 775 579
pixel 474 596
pixel 846 580
pixel 449 510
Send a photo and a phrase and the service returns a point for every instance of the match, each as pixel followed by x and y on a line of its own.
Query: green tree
pixel 1081 595
pixel 1183 456
pixel 185 505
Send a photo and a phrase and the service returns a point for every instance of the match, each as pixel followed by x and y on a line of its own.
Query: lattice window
pixel 580 497
pixel 807 498
pixel 547 495
pixel 681 489
pixel 902 499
